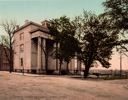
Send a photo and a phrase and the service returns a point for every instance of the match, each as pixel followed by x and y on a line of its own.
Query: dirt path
pixel 33 87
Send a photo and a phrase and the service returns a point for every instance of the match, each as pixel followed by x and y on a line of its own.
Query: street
pixel 16 86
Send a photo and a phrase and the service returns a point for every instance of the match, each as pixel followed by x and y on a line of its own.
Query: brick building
pixel 4 63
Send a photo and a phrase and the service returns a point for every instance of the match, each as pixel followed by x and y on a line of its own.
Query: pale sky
pixel 38 10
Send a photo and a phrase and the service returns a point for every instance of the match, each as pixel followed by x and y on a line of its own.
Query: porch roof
pixel 40 33
pixel 42 29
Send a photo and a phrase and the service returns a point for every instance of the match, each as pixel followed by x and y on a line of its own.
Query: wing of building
pixel 4 55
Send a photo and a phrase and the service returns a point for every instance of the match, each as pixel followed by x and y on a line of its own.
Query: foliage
pixel 98 38
pixel 4 40
pixel 64 34
pixel 117 10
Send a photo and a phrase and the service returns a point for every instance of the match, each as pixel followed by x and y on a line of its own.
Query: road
pixel 16 86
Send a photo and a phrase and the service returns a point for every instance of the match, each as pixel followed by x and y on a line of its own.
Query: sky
pixel 38 10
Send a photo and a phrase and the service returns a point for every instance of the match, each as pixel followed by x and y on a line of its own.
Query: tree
pixel 9 27
pixel 64 34
pixel 117 10
pixel 98 38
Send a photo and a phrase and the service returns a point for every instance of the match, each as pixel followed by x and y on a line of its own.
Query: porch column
pixel 39 54
pixel 43 54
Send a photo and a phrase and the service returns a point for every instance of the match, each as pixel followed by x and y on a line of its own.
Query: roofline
pixel 27 24
pixel 40 30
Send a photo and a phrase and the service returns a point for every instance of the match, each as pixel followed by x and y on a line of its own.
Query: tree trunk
pixel 60 68
pixel 11 60
pixel 56 56
pixel 0 58
pixel 67 67
pixel 88 63
pixel 86 71
pixel 46 64
pixel 11 66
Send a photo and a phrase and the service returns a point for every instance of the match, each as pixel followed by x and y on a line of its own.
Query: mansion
pixel 31 42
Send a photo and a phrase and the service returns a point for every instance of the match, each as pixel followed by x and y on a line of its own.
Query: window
pixel 21 48
pixel 21 61
pixel 21 36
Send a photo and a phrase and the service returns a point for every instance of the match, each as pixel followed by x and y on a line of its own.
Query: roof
pixel 46 30
pixel 40 27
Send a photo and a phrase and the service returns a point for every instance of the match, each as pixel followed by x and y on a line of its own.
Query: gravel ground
pixel 16 86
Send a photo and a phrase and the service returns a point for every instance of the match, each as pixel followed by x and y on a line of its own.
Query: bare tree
pixel 9 27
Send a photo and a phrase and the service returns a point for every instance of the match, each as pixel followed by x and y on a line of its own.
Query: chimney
pixel 17 27
pixel 26 21
pixel 45 23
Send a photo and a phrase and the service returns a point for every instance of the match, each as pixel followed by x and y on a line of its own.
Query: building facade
pixel 32 42
pixel 4 54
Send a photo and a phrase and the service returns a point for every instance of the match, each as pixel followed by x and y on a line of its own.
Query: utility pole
pixel 120 63
pixel 0 57
pixel 126 56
